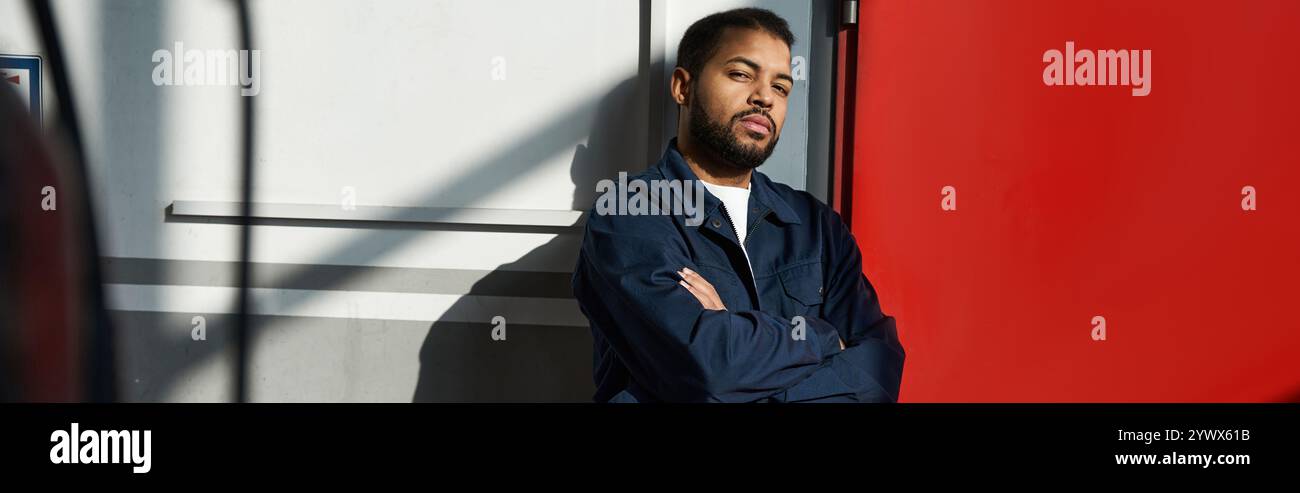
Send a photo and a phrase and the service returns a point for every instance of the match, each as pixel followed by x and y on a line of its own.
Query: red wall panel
pixel 1075 202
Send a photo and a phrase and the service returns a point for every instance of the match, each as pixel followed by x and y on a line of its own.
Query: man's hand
pixel 701 288
pixel 704 292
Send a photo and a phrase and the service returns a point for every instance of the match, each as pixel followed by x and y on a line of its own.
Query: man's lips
pixel 757 123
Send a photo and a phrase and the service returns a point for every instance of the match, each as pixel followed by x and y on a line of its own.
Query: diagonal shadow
pixel 570 126
pixel 460 362
pixel 615 126
pixel 130 119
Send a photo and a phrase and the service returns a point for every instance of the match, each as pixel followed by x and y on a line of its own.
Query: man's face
pixel 738 100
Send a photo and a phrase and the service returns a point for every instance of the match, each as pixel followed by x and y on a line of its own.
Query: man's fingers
pixel 698 295
pixel 701 288
pixel 694 277
pixel 690 288
pixel 690 274
pixel 709 303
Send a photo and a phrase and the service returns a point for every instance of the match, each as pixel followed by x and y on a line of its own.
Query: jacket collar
pixel 673 166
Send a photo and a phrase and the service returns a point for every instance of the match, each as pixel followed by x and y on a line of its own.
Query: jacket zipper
pixel 752 281
pixel 758 221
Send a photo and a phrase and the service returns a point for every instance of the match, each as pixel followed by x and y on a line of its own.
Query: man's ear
pixel 680 86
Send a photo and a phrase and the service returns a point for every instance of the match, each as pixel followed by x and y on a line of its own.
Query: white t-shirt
pixel 736 201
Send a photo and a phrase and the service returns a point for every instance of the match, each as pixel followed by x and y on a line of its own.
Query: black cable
pixel 245 218
pixel 100 372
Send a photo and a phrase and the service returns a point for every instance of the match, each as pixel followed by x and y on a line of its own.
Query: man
pixel 762 301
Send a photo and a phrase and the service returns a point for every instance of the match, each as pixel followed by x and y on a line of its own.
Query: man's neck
pixel 710 169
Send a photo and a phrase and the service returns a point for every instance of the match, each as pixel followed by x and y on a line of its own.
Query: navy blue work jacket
pixel 654 342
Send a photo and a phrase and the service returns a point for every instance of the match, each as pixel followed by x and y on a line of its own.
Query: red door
pixel 1005 220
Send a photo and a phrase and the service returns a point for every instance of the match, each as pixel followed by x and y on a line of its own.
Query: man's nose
pixel 762 97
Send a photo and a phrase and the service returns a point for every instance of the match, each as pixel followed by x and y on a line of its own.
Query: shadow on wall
pixel 1292 397
pixel 131 119
pixel 538 363
pixel 460 362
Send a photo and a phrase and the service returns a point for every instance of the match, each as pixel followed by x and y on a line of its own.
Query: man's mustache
pixel 755 111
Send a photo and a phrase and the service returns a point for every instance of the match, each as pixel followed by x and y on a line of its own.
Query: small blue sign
pixel 23 74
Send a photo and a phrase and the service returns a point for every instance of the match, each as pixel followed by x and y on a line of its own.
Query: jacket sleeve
pixel 671 345
pixel 870 369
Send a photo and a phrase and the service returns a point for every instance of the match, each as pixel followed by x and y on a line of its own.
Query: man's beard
pixel 724 143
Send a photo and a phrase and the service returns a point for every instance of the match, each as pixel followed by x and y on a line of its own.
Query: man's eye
pixel 782 90
pixel 740 75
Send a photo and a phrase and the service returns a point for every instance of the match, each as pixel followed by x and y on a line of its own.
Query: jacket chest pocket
pixel 802 289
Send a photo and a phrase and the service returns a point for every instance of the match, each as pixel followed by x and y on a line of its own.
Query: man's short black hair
pixel 701 39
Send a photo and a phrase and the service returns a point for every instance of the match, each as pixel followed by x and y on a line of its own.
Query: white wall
pixel 397 101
